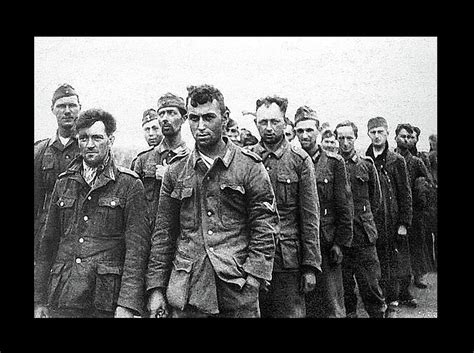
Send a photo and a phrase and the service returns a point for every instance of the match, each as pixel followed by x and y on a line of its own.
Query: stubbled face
pixel 206 123
pixel 270 123
pixel 329 144
pixel 378 135
pixel 170 120
pixel 346 139
pixel 289 133
pixel 152 132
pixel 307 133
pixel 66 110
pixel 403 139
pixel 94 144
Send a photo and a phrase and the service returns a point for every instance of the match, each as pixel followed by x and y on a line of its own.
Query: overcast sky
pixel 353 78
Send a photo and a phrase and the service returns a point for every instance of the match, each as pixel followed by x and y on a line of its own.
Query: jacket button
pixel 287 181
pixel 61 204
pixel 81 240
pixel 78 261
pixel 209 213
pixel 67 156
pixel 211 248
pixel 86 218
pixel 268 168
pixel 89 197
pixel 112 203
pixel 326 181
pixel 209 232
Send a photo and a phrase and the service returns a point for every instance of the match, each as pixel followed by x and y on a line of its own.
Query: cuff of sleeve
pixel 133 305
pixel 157 279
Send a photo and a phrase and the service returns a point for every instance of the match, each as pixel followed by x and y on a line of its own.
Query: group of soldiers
pixel 229 228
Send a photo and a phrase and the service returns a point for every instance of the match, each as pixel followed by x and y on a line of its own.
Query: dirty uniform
pixel 95 247
pixel 291 171
pixel 337 209
pixel 145 167
pixel 213 227
pixel 419 183
pixel 51 158
pixel 393 251
pixel 360 261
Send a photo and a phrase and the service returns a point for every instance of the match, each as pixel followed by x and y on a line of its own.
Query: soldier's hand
pixel 41 312
pixel 157 305
pixel 123 313
pixel 308 281
pixel 335 255
pixel 160 170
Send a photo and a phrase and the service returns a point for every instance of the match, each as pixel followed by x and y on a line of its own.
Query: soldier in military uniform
pixel 52 155
pixel 151 130
pixel 213 243
pixel 150 165
pixel 393 219
pixel 360 262
pixel 92 258
pixel 297 255
pixel 336 206
pixel 419 183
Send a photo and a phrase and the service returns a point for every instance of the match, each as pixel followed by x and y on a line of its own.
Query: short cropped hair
pixel 348 123
pixel 280 101
pixel 405 126
pixel 89 117
pixel 203 94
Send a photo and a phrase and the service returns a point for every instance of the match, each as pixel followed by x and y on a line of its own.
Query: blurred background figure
pixel 233 132
pixel 151 128
pixel 290 133
pixel 247 138
pixel 328 141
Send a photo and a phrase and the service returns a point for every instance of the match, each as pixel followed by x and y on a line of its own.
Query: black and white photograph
pixel 235 177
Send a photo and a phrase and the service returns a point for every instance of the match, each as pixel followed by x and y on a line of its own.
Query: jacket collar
pixel 163 147
pixel 105 172
pixel 319 152
pixel 226 160
pixel 282 147
pixel 56 142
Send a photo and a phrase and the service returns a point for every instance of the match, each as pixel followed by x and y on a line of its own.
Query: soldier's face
pixel 378 135
pixel 270 123
pixel 413 139
pixel 152 132
pixel 329 144
pixel 290 133
pixel 66 110
pixel 94 144
pixel 206 123
pixel 346 139
pixel 403 139
pixel 307 133
pixel 233 133
pixel 170 120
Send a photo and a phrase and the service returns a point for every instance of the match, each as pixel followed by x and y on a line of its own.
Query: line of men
pixel 268 230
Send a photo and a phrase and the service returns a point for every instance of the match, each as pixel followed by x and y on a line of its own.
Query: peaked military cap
pixel 65 90
pixel 149 115
pixel 172 100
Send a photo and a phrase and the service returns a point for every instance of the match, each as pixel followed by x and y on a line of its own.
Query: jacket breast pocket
pixel 325 182
pixel 287 189
pixel 177 292
pixel 111 215
pixel 368 223
pixel 290 253
pixel 48 162
pixel 232 203
pixel 66 211
pixel 187 215
pixel 107 286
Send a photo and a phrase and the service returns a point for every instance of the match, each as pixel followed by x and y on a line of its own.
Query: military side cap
pixel 376 122
pixel 149 115
pixel 65 90
pixel 304 113
pixel 171 100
